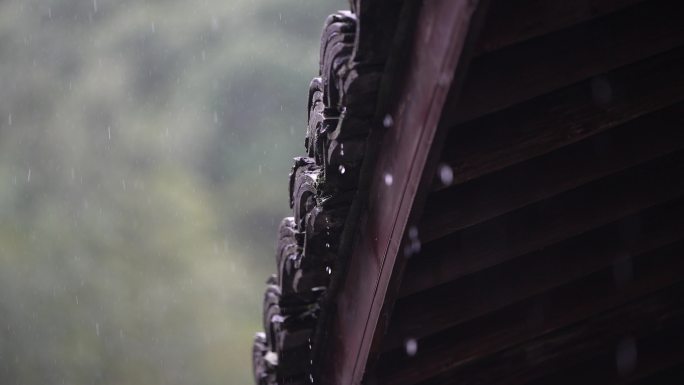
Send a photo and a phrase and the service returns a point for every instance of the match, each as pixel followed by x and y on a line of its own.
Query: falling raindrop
pixel 215 117
pixel 446 174
pixel 341 149
pixel 109 132
pixel 413 232
pixel 328 270
pixel 327 245
pixel 97 329
pixel 95 6
pixel 9 119
pixel 342 169
pixel 415 246
pixel 388 121
pixel 445 79
pixel 626 356
pixel 28 176
pixel 389 179
pixel 411 347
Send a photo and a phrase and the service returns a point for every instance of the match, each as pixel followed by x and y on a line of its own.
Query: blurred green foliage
pixel 144 152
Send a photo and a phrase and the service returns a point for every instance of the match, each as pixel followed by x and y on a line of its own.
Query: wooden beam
pixel 531 360
pixel 484 198
pixel 673 375
pixel 425 313
pixel 474 343
pixel 411 125
pixel 563 117
pixel 546 223
pixel 511 22
pixel 521 72
pixel 630 360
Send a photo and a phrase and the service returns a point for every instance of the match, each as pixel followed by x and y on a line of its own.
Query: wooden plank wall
pixel 556 253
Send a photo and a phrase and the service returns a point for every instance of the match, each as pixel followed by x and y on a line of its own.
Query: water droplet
pixel 411 347
pixel 95 6
pixel 626 356
pixel 446 174
pixel 271 358
pixel 109 133
pixel 408 250
pixel 388 121
pixel 215 117
pixel 341 149
pixel 389 179
pixel 445 79
pixel 328 270
pixel 327 245
pixel 9 119
pixel 413 232
pixel 97 329
pixel 415 246
pixel 342 169
pixel 28 176
pixel 153 27
pixel 260 169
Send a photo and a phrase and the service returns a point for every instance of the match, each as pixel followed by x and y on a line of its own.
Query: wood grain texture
pixel 470 350
pixel 513 21
pixel 565 116
pixel 521 72
pixel 662 311
pixel 545 223
pixel 424 313
pixel 439 39
pixel 595 157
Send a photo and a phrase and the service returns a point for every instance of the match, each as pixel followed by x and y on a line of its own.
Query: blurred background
pixel 144 153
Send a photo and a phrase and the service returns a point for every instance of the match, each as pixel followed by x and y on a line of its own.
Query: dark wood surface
pixel 521 72
pixel 468 204
pixel 564 116
pixel 424 313
pixel 662 312
pixel 475 342
pixel 402 155
pixel 554 253
pixel 613 364
pixel 545 223
pixel 560 235
pixel 513 21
